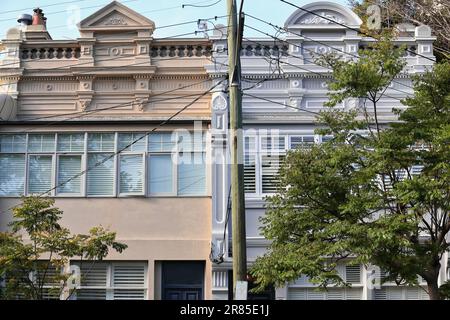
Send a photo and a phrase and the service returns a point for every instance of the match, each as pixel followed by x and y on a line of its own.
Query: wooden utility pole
pixel 239 245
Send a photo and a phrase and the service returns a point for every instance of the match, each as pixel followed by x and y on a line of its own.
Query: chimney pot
pixel 38 18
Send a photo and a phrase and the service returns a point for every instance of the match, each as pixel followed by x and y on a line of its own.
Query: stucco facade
pixel 114 82
pixel 68 103
pixel 283 90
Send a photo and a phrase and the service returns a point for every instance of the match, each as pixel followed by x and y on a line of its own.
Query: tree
pixel 434 13
pixel 374 194
pixel 34 255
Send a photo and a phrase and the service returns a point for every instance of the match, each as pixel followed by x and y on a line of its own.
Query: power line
pixel 126 147
pixel 200 6
pixel 310 71
pixel 45 6
pixel 102 60
pixel 63 11
pixel 313 62
pixel 347 27
pixel 281 104
pixel 311 39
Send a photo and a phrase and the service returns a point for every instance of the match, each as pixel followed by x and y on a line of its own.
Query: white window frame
pixel 115 165
pixel 109 288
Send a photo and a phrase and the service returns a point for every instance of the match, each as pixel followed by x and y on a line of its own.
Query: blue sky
pixel 63 15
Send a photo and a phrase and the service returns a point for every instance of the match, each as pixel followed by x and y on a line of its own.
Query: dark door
pixel 183 280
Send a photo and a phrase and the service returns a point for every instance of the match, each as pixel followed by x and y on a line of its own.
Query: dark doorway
pixel 183 280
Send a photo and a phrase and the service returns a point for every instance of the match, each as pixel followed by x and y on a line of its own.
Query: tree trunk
pixel 433 290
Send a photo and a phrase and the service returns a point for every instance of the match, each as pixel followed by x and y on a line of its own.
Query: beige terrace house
pixel 71 106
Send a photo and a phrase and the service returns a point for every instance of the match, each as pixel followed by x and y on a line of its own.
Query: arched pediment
pixel 327 10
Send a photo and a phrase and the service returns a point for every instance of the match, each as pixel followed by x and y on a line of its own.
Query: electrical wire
pixel 347 27
pixel 163 123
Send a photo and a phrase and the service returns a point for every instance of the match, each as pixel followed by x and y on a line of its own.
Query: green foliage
pixel 355 198
pixel 35 253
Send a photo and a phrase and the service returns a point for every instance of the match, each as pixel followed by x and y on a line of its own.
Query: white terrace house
pixel 277 117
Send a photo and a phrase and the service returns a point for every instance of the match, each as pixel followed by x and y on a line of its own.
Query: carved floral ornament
pixel 313 19
pixel 219 103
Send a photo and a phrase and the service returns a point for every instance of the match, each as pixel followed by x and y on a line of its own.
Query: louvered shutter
pixel 336 294
pixel 69 178
pixel 380 294
pixel 296 294
pixel 353 274
pixel 250 173
pixel 12 174
pixel 353 293
pixel 315 294
pixel 94 280
pixel 270 166
pixel 40 174
pixel 129 282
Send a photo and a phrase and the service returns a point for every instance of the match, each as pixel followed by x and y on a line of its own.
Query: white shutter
pixel 39 174
pixel 12 174
pixel 69 178
pixel 94 280
pixel 100 175
pixel 250 173
pixel 296 294
pixel 127 279
pixel 336 294
pixel 353 274
pixel 394 293
pixel 270 166
pixel 380 294
pixel 131 174
pixel 353 293
pixel 315 294
pixel 412 293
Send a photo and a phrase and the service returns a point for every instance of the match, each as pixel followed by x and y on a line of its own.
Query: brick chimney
pixel 38 18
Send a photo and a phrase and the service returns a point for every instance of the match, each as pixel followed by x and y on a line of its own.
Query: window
pixel 103 164
pixel 273 143
pixel 101 142
pixel 69 178
pixel 39 174
pixel 41 143
pixel 12 143
pixel 100 175
pixel 112 281
pixel 12 174
pixel 161 174
pixel 301 142
pixel 192 174
pixel 131 174
pixel 133 142
pixel 71 142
